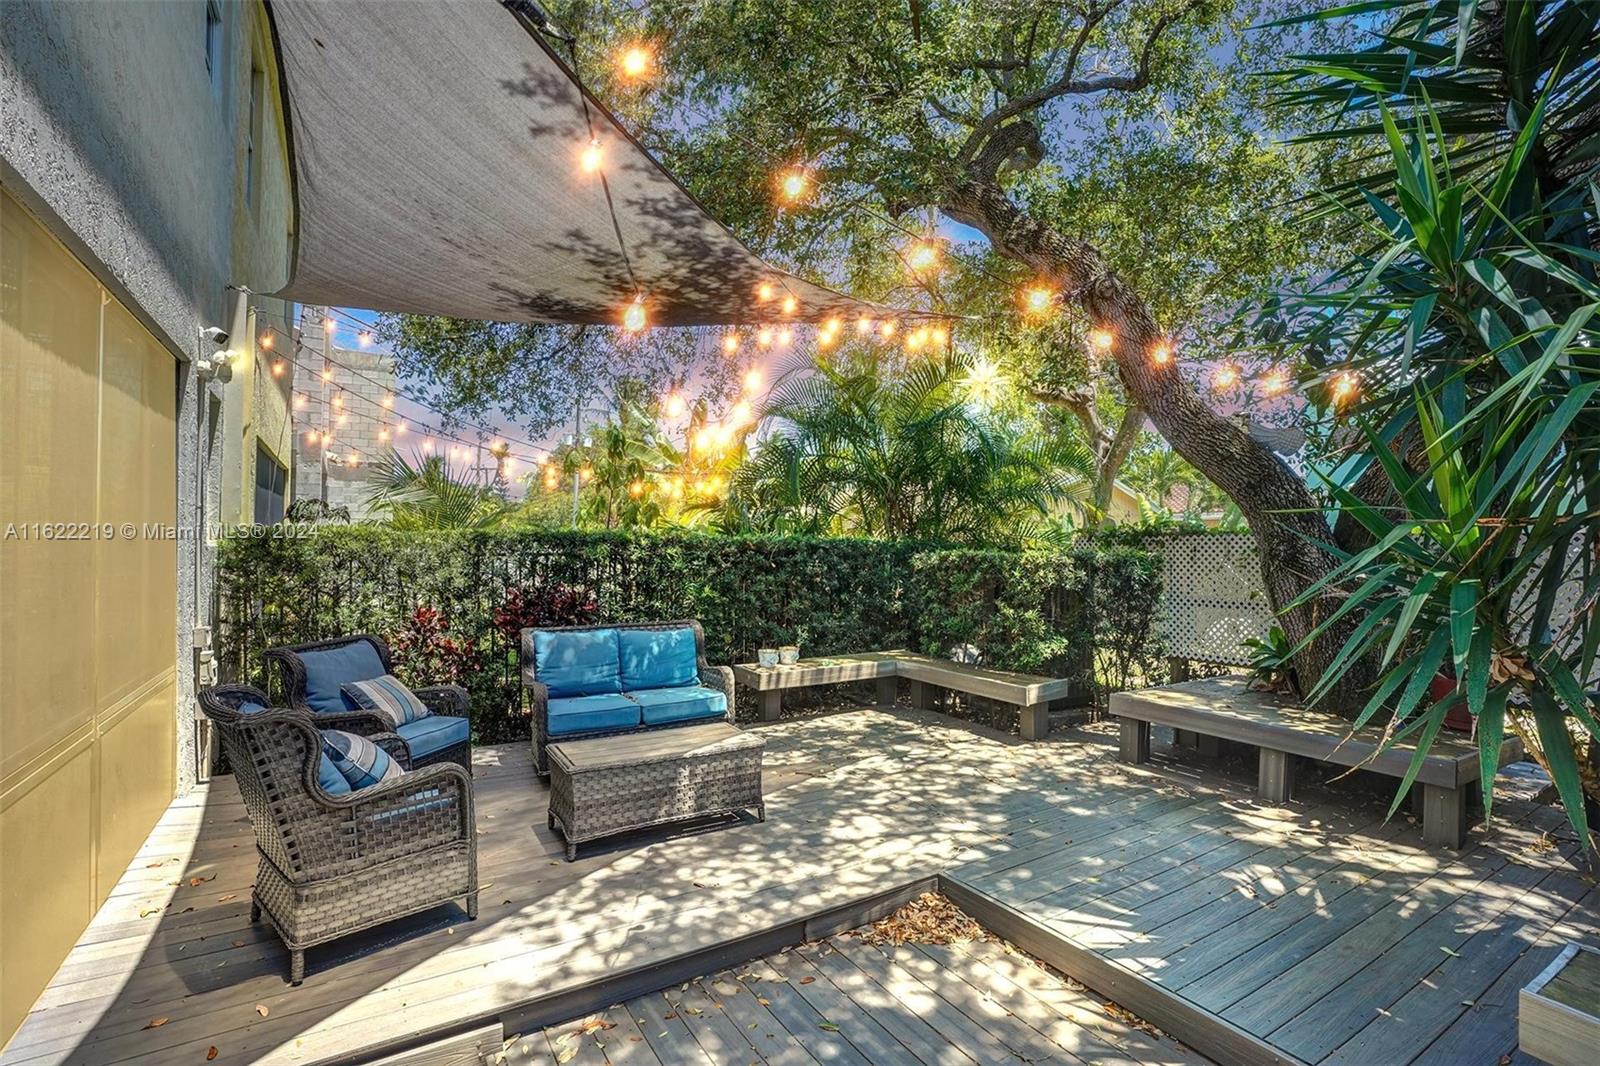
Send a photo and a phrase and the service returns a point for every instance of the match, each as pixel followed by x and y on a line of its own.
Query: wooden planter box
pixel 1558 1013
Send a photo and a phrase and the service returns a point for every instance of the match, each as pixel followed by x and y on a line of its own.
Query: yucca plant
pixel 1457 355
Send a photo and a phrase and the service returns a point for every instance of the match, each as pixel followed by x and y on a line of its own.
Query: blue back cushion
pixel 577 664
pixel 658 658
pixel 329 668
pixel 328 776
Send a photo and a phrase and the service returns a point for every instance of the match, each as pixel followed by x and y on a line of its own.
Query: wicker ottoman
pixel 610 785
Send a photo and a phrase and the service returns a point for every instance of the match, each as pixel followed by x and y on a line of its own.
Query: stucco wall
pixel 114 137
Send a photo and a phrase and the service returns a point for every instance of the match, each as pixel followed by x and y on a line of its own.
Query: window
pixel 252 135
pixel 214 46
pixel 272 482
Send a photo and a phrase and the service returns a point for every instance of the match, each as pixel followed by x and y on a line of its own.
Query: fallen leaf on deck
pixel 567 1054
pixel 829 1026
pixel 807 980
pixel 156 1023
pixel 635 1039
pixel 1448 951
pixel 195 882
pixel 765 1002
pixel 238 943
pixel 145 912
pixel 261 1009
pixel 230 895
pixel 212 1053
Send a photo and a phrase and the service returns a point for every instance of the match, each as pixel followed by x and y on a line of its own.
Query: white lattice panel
pixel 1212 598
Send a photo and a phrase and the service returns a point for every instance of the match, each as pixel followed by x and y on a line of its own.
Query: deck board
pixel 1173 871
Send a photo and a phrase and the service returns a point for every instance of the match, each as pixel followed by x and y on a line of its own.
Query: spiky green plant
pixel 427 495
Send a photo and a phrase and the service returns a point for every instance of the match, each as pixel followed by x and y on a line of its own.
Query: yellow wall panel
pixel 135 771
pixel 49 366
pixel 88 599
pixel 46 893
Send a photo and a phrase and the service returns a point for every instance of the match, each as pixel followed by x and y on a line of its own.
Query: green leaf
pixel 1430 730
pixel 1463 617
pixel 1557 745
pixel 1491 734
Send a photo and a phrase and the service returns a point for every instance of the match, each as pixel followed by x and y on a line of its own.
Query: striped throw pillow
pixel 359 760
pixel 387 696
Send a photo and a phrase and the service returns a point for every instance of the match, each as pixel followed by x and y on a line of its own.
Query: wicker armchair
pixel 719 678
pixel 447 700
pixel 329 865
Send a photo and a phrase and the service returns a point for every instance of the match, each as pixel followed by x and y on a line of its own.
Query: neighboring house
pixel 344 417
pixel 143 187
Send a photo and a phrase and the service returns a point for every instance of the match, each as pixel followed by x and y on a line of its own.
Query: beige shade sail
pixel 437 160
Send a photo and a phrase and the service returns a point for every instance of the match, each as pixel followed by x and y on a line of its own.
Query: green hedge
pixel 452 603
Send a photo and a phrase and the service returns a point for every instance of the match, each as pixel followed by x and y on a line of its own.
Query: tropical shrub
pixel 1459 353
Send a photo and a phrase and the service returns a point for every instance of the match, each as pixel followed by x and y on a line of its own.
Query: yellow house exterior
pixel 124 234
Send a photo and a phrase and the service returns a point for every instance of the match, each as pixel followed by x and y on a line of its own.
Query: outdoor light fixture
pixel 591 156
pixel 1161 354
pixel 752 379
pixel 790 305
pixel 887 329
pixel 793 184
pixel 634 318
pixel 266 340
pixel 922 256
pixel 676 406
pixel 730 343
pixel 1274 383
pixel 864 324
pixel 1038 299
pixel 636 61
pixel 1227 376
pixel 764 337
pixel 1102 339
pixel 765 291
pixel 1344 386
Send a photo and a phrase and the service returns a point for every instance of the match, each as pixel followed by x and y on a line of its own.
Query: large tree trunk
pixel 1283 515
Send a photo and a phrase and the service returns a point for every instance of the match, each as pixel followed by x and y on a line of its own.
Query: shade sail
pixel 436 151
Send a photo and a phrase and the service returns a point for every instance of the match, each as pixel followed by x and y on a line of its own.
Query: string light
pixel 764 337
pixel 676 405
pixel 742 411
pixel 1038 299
pixel 591 157
pixel 790 304
pixel 299 400
pixel 1227 376
pixel 1274 383
pixel 1102 339
pixel 278 368
pixel 941 336
pixel 793 184
pixel 636 61
pixel 765 291
pixel 730 343
pixel 785 336
pixel 327 373
pixel 635 318
pixel 364 338
pixel 383 434
pixel 887 329
pixel 864 324
pixel 752 379
pixel 400 429
pixel 915 339
pixel 427 445
pixel 922 256
pixel 1161 353
pixel 636 488
pixel 1345 386
pixel 328 324
pixel 388 400
pixel 338 399
pixel 266 341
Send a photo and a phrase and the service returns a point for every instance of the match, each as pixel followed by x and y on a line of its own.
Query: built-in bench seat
pixel 1031 694
pixel 1446 792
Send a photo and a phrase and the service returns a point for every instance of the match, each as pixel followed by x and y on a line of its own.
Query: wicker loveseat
pixel 334 864
pixel 602 680
pixel 312 673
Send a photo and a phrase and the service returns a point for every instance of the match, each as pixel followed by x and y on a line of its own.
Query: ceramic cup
pixel 788 655
pixel 767 657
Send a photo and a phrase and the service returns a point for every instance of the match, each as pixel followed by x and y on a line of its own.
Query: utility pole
pixel 577 438
pixel 327 372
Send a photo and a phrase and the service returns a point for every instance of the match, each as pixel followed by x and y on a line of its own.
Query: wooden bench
pixel 1446 789
pixel 1029 693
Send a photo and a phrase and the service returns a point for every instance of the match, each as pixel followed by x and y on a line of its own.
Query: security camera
pixel 216 335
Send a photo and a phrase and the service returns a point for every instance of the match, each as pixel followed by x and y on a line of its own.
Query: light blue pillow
pixel 388 697
pixel 658 658
pixel 361 762
pixel 583 663
pixel 331 780
pixel 328 669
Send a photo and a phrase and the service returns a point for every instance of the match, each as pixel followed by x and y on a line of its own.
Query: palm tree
pixel 428 496
pixel 920 453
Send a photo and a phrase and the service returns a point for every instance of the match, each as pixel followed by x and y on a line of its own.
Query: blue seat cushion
pixel 582 663
pixel 328 669
pixel 586 714
pixel 658 658
pixel 328 775
pixel 662 705
pixel 427 735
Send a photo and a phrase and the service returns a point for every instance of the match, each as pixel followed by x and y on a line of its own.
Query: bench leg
pixel 771 704
pixel 888 690
pixel 1444 816
pixel 1135 741
pixel 1210 747
pixel 921 695
pixel 1275 781
pixel 1034 720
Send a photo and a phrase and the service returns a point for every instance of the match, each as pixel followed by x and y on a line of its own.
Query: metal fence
pixel 1212 597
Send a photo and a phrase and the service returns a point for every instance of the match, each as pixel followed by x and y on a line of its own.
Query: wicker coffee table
pixel 610 785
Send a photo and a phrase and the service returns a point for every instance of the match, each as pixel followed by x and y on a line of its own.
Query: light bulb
pixel 1274 383
pixel 864 324
pixel 1227 376
pixel 676 405
pixel 793 184
pixel 764 337
pixel 364 338
pixel 277 369
pixel 922 255
pixel 1102 339
pixel 636 61
pixel 266 340
pixel 730 343
pixel 591 157
pixel 388 400
pixel 634 318
pixel 888 328
pixel 1161 353
pixel 752 379
pixel 790 305
pixel 1038 299
pixel 765 291
pixel 785 336
pixel 1345 386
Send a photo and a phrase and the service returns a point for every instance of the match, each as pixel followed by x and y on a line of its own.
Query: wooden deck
pixel 844 1000
pixel 1314 932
